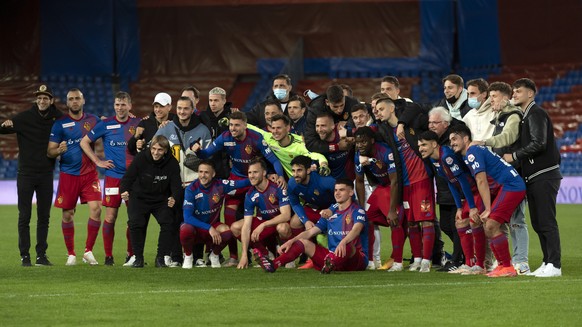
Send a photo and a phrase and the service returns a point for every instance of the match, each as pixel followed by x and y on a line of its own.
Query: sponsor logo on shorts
pixel 425 206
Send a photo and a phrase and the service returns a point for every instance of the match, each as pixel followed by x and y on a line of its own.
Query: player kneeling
pixel 345 224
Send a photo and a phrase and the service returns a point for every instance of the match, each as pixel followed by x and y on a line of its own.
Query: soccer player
pixel 460 182
pixel 341 162
pixel 375 162
pixel 417 190
pixel 484 163
pixel 273 213
pixel 346 229
pixel 241 145
pixel 78 176
pixel 287 146
pixel 35 174
pixel 115 132
pixel 203 202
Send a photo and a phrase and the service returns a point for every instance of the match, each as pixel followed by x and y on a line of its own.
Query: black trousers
pixel 139 214
pixel 541 200
pixel 447 220
pixel 27 185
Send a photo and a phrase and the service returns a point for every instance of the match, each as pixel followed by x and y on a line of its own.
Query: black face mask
pixel 452 99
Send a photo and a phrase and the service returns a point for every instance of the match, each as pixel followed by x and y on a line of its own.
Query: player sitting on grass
pixel 344 223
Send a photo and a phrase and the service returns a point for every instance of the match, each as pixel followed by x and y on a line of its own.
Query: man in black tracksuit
pixel 539 158
pixel 35 171
pixel 152 185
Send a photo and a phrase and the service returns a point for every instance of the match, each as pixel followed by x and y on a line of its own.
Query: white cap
pixel 163 98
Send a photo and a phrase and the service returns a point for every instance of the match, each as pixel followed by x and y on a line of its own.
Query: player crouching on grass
pixel 345 223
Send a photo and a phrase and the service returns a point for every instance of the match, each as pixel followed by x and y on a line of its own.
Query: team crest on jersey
pixel 411 131
pixel 348 218
pixel 248 149
pixel 449 160
pixel 87 126
pixel 425 206
pixel 316 192
pixel 132 130
pixel 272 198
pixel 60 199
pixel 471 158
pixel 379 164
pixel 107 199
pixel 346 115
pixel 215 197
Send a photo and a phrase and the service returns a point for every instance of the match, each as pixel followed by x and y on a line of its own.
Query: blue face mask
pixel 473 103
pixel 280 94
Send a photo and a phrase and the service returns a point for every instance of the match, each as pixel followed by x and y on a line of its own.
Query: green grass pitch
pixel 83 295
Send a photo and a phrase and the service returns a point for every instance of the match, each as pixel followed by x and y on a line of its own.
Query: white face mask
pixel 280 94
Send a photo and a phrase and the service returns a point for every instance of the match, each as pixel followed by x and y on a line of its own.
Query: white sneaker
pixel 290 265
pixel 231 262
pixel 460 270
pixel 425 266
pixel 490 266
pixel 414 266
pixel 396 266
pixel 475 270
pixel 188 261
pixel 200 263
pixel 522 268
pixel 539 270
pixel 371 265
pixel 71 260
pixel 214 260
pixel 550 271
pixel 89 258
pixel 169 262
pixel 377 263
pixel 130 261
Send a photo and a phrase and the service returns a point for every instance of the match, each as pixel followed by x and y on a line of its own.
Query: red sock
pixel 129 247
pixel 187 238
pixel 108 236
pixel 229 219
pixel 480 243
pixel 294 251
pixel 69 235
pixel 225 236
pixel 501 246
pixel 371 240
pixel 92 232
pixel 427 241
pixel 398 237
pixel 466 243
pixel 415 241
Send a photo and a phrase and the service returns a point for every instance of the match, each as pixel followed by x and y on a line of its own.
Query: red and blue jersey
pixel 413 168
pixel 202 205
pixel 459 178
pixel 482 159
pixel 267 202
pixel 341 163
pixel 381 163
pixel 74 161
pixel 241 152
pixel 341 223
pixel 318 194
pixel 115 136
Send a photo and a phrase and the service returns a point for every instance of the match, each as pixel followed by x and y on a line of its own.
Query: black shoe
pixel 449 266
pixel 109 261
pixel 25 261
pixel 43 261
pixel 160 263
pixel 138 263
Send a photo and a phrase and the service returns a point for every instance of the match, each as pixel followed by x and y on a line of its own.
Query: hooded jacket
pixel 478 120
pixel 506 130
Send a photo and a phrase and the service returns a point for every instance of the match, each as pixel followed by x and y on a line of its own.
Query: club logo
pixel 42 88
pixel 60 199
pixel 449 160
pixel 132 130
pixel 87 126
pixel 272 198
pixel 215 197
pixel 107 199
pixel 248 149
pixel 425 206
pixel 316 192
pixel 348 219
pixel 471 158
pixel 379 164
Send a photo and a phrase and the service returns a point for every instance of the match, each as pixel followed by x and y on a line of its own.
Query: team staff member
pixel 78 177
pixel 35 173
pixel 152 185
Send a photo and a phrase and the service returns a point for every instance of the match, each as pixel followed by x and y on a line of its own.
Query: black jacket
pixel 220 159
pixel 153 181
pixel 317 106
pixel 256 116
pixel 32 132
pixel 411 114
pixel 150 126
pixel 538 155
pixel 444 195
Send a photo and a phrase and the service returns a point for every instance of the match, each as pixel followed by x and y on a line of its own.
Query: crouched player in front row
pixel 345 224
